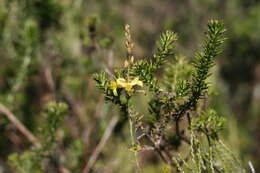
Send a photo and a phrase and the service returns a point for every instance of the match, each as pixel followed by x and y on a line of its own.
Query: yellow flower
pixel 127 85
pixel 113 85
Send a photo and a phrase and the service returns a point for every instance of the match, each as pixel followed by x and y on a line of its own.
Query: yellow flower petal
pixel 121 82
pixel 129 89
pixel 136 81
pixel 115 92
pixel 113 85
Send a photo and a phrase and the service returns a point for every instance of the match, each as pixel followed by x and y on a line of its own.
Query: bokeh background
pixel 49 50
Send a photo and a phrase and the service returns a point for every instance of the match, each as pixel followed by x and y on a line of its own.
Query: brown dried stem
pixel 101 144
pixel 10 116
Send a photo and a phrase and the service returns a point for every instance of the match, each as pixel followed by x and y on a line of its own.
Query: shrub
pixel 177 114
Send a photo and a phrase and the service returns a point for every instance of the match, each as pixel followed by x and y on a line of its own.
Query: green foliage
pixel 215 158
pixel 50 48
pixel 103 84
pixel 165 47
pixel 54 114
pixel 177 73
pixel 204 60
pixel 208 123
pixel 28 162
pixel 145 70
pixel 183 86
pixel 212 157
pixel 32 161
pixel 46 12
pixel 75 155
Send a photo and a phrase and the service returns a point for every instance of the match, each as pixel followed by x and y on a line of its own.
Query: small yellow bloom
pixel 136 148
pixel 127 85
pixel 113 85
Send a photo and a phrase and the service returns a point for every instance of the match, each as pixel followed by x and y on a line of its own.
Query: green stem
pixel 132 134
pixel 131 131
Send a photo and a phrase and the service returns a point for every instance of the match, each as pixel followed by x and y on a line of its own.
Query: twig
pixel 189 118
pixel 19 126
pixel 162 156
pixel 251 167
pixel 101 144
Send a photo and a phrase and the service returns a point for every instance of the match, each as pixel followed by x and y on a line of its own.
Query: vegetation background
pixel 49 50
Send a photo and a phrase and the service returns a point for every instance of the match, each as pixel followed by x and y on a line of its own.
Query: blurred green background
pixel 49 50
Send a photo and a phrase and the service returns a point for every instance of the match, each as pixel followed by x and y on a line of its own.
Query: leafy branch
pixel 182 87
